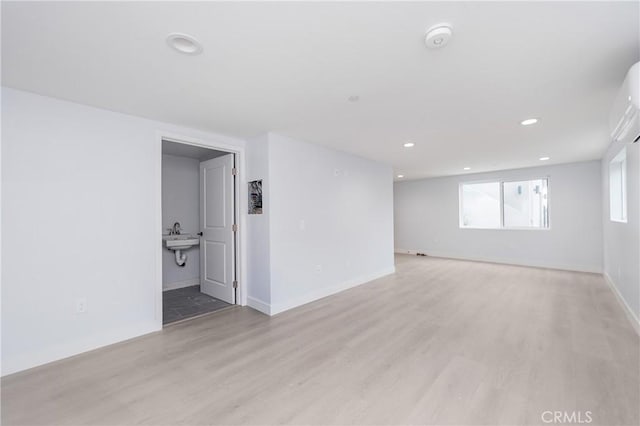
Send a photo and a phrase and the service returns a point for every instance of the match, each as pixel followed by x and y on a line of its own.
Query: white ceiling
pixel 290 67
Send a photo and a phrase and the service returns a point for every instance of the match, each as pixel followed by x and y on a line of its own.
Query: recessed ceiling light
pixel 438 36
pixel 467 168
pixel 409 144
pixel 529 121
pixel 184 43
pixel 544 158
pixel 354 98
pixel 400 176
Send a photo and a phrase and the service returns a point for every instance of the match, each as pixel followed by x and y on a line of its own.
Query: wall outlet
pixel 302 225
pixel 318 268
pixel 81 305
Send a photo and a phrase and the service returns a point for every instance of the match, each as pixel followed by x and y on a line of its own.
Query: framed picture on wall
pixel 255 197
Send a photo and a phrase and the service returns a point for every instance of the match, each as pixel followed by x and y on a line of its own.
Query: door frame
pixel 241 194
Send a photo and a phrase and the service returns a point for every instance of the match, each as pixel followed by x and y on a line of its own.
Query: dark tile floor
pixel 188 302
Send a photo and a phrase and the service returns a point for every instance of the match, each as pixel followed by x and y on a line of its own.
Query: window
pixel 618 187
pixel 481 205
pixel 508 205
pixel 525 204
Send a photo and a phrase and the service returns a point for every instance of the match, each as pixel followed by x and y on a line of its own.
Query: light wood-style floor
pixel 439 342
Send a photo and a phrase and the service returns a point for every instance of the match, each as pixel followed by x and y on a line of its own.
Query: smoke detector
pixel 438 36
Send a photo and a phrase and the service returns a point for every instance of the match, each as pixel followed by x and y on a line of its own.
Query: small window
pixel 505 205
pixel 618 187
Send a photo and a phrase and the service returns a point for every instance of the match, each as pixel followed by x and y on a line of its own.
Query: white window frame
pixel 501 183
pixel 621 159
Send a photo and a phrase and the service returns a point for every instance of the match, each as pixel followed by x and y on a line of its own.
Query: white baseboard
pixel 180 284
pixel 404 251
pixel 328 291
pixel 259 305
pixel 11 364
pixel 635 322
pixel 534 264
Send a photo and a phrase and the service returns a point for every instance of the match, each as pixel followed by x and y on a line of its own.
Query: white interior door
pixel 216 223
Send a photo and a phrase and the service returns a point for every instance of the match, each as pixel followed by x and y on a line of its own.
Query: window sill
pixel 505 229
pixel 618 220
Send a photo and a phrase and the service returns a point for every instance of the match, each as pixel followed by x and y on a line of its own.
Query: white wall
pixel 426 220
pixel 180 203
pixel 621 240
pixel 331 221
pixel 80 219
pixel 258 249
pixel 79 208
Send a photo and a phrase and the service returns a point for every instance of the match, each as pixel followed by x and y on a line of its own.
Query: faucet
pixel 176 229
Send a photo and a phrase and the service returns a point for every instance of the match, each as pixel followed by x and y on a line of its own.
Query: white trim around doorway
pixel 241 208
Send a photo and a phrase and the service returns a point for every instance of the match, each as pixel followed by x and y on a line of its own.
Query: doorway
pixel 199 238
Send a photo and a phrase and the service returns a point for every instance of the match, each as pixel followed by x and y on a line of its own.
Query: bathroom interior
pixel 182 295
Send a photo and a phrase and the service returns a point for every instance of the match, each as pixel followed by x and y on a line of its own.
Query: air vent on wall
pixel 625 114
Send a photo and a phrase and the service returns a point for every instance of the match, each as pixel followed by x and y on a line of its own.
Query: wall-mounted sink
pixel 180 242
